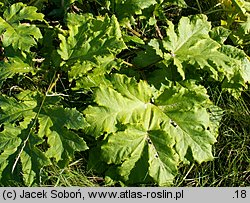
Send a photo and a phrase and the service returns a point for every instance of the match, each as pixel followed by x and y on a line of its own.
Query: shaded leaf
pixel 141 151
pixel 125 9
pixel 54 124
pixel 32 135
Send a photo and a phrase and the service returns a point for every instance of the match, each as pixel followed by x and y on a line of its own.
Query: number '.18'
pixel 241 194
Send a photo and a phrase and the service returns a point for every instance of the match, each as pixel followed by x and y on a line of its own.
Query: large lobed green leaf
pixel 90 49
pixel 31 135
pixel 16 33
pixel 149 131
pixel 188 49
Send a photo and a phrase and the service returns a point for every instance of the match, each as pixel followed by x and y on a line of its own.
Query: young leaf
pixel 20 35
pixel 191 123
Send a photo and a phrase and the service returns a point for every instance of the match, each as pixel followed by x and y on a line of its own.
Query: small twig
pixel 134 32
pixel 52 85
pixel 38 60
pixel 57 94
pixel 76 162
pixel 76 8
pixel 127 63
pixel 214 11
pixel 98 179
pixel 15 87
pixel 158 31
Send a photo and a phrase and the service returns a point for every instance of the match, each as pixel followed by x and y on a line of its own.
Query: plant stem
pixel 199 6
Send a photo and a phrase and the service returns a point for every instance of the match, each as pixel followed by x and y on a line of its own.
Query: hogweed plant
pixel 137 105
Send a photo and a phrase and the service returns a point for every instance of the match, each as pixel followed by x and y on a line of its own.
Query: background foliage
pixel 111 92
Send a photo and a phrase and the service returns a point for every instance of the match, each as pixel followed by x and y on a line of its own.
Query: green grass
pixel 74 175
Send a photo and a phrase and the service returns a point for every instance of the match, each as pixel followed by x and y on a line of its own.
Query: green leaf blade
pixel 55 124
pixel 90 51
pixel 151 137
pixel 20 35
